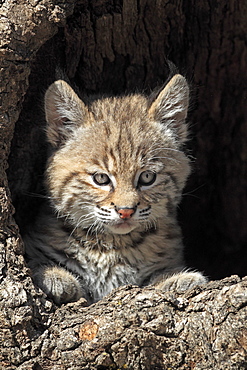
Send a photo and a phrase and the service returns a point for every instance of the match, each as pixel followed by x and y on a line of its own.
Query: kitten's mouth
pixel 122 227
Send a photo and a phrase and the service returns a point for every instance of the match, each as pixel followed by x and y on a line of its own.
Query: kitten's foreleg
pixel 58 283
pixel 180 282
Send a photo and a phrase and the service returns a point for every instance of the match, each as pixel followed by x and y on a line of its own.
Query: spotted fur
pixel 114 180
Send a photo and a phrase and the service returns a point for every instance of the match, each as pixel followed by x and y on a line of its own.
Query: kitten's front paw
pixel 182 281
pixel 59 284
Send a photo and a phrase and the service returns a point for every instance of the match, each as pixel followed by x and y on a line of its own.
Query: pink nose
pixel 125 213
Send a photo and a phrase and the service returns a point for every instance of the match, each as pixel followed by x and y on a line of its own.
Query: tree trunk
pixel 112 46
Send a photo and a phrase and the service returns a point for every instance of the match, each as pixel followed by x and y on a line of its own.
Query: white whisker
pixel 190 193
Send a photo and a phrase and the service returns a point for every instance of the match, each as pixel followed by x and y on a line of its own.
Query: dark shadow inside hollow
pixel 28 154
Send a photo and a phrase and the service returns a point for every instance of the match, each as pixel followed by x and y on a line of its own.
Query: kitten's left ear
pixel 171 106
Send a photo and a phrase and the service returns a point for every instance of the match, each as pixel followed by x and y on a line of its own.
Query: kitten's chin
pixel 121 228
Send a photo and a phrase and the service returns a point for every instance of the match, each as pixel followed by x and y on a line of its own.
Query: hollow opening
pixel 96 63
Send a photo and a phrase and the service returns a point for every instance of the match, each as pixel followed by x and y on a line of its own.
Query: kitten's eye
pixel 101 179
pixel 147 178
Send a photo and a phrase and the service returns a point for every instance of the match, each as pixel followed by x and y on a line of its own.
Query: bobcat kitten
pixel 114 179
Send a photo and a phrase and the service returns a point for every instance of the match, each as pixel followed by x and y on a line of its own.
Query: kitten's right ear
pixel 64 110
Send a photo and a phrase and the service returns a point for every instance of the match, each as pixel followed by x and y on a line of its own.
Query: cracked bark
pixel 116 46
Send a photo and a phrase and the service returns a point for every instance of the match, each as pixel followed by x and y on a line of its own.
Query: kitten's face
pixel 119 170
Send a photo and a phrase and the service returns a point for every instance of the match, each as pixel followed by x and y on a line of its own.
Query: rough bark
pixel 110 47
pixel 144 329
